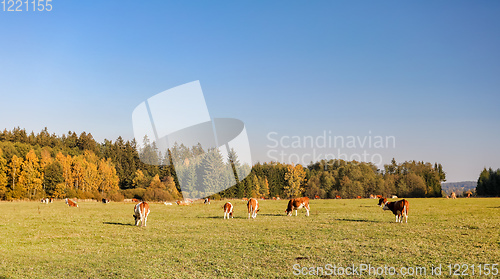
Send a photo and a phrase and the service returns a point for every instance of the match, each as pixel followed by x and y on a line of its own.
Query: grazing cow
pixel 297 204
pixel 105 201
pixel 278 198
pixel 135 200
pixel 167 203
pixel 51 200
pixel 244 199
pixel 399 208
pixel 207 201
pixel 141 212
pixel 182 202
pixel 358 197
pixel 316 197
pixel 394 196
pixel 372 196
pixel 45 200
pixel 228 210
pixel 71 203
pixel 253 208
pixel 338 197
pixel 379 196
pixel 453 196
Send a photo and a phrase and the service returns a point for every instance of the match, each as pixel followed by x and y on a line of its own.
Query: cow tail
pixel 404 206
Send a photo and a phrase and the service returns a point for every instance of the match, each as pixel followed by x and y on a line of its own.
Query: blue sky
pixel 424 72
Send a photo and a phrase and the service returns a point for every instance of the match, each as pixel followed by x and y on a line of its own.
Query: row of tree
pixel 488 183
pixel 329 179
pixel 35 165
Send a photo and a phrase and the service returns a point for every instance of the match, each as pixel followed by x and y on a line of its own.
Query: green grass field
pixel 99 240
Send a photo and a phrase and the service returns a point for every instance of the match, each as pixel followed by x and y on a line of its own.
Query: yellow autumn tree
pixel 140 180
pixel 295 178
pixel 31 176
pixel 45 160
pixel 14 171
pixel 264 186
pixel 3 174
pixel 156 191
pixel 66 162
pixel 107 176
pixel 78 171
pixel 255 193
pixel 59 191
pixel 91 177
pixel 171 189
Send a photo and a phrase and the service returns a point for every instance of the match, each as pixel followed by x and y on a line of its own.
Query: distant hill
pixel 458 187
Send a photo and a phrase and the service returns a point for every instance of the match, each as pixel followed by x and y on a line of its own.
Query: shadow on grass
pixel 272 214
pixel 218 217
pixel 119 224
pixel 498 207
pixel 357 220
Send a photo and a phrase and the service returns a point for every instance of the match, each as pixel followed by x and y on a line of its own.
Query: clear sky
pixel 425 73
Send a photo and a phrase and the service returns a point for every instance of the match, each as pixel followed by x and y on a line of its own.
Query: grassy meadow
pixel 100 240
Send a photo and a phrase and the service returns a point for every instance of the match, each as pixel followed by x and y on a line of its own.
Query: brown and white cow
pixel 399 208
pixel 184 202
pixel 71 203
pixel 141 212
pixel 297 204
pixel 228 210
pixel 253 208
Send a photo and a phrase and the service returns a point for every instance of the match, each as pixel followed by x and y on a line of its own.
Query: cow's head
pixel 382 202
pixel 137 219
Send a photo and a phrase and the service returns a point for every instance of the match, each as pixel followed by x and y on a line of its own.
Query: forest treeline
pixel 39 165
pixel 488 183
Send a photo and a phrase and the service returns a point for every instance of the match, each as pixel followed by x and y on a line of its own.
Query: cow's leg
pixel 296 211
pixel 307 209
pixel 405 212
pixel 144 221
pixel 397 218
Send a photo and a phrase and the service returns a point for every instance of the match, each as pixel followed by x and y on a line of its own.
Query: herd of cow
pixel 141 210
pixel 399 208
